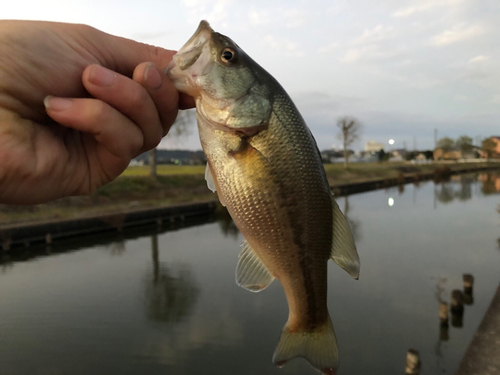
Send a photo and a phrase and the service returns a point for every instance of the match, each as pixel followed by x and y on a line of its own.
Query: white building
pixel 373 146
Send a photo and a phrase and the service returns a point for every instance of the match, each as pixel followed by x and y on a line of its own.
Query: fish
pixel 264 164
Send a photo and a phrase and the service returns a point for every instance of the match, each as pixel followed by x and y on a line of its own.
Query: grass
pixel 181 184
pixel 164 170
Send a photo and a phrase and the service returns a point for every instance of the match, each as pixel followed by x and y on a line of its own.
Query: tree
pixel 489 147
pixel 382 155
pixel 181 127
pixel 429 155
pixel 464 143
pixel 350 130
pixel 446 144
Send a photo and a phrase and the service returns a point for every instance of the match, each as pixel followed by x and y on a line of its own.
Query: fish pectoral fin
pixel 251 273
pixel 318 347
pixel 344 251
pixel 209 177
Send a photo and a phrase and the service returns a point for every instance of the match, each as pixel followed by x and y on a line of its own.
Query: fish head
pixel 223 79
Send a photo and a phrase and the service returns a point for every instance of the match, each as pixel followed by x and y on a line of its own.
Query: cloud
pixel 423 7
pixel 405 12
pixel 478 59
pixel 457 34
pixel 495 99
pixel 259 17
pixel 368 54
pixel 288 17
pixel 215 12
pixel 460 98
pixel 329 47
pixel 283 44
pixel 375 35
pixel 294 18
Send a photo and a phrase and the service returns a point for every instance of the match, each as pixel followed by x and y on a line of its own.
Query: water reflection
pixel 226 223
pixel 447 192
pixel 170 292
pixel 117 248
pixel 354 224
pixel 490 182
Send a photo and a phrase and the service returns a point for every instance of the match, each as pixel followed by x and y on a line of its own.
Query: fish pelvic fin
pixel 251 272
pixel 344 251
pixel 318 347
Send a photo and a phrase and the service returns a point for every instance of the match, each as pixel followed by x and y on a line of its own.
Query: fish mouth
pixel 192 60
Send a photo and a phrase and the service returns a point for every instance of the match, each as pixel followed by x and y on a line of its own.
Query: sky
pixel 402 68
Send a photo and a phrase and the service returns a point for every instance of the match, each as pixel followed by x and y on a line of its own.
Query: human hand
pixel 109 101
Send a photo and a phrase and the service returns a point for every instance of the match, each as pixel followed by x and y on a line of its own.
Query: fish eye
pixel 228 55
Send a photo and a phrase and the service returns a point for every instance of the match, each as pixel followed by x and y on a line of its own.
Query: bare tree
pixel 350 130
pixel 180 128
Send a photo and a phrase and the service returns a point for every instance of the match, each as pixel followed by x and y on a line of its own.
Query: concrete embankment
pixel 22 235
pixel 483 355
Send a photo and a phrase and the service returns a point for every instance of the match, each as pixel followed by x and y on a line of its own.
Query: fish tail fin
pixel 318 347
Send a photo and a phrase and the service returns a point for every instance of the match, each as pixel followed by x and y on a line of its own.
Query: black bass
pixel 265 166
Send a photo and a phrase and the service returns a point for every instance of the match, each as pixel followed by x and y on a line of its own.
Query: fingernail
pixel 101 76
pixel 57 104
pixel 152 77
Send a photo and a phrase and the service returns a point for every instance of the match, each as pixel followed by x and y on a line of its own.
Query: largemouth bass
pixel 266 168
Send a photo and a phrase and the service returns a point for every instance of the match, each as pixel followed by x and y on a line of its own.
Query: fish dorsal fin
pixel 209 177
pixel 251 273
pixel 344 251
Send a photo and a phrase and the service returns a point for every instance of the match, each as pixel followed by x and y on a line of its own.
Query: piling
pixel 457 308
pixel 443 313
pixel 412 362
pixel 468 289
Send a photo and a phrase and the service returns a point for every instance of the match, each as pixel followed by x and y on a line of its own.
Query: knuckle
pixel 139 97
pixel 97 110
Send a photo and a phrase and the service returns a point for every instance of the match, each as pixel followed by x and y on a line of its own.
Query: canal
pixel 164 300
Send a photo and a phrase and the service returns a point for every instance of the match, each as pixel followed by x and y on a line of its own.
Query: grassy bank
pixel 181 184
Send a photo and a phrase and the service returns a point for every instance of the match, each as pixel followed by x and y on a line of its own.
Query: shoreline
pixel 20 235
pixel 483 354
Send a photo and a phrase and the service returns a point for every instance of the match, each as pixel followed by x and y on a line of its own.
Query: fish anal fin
pixel 318 347
pixel 251 273
pixel 344 251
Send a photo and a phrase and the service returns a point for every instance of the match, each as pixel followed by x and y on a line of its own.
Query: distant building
pixel 497 142
pixel 456 153
pixel 183 157
pixel 399 154
pixel 373 146
pixel 332 156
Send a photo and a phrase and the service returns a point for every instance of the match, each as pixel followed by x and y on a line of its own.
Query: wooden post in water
pixel 443 321
pixel 468 289
pixel 443 313
pixel 412 362
pixel 457 308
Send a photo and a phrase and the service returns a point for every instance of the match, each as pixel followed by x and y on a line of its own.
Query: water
pixel 167 303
